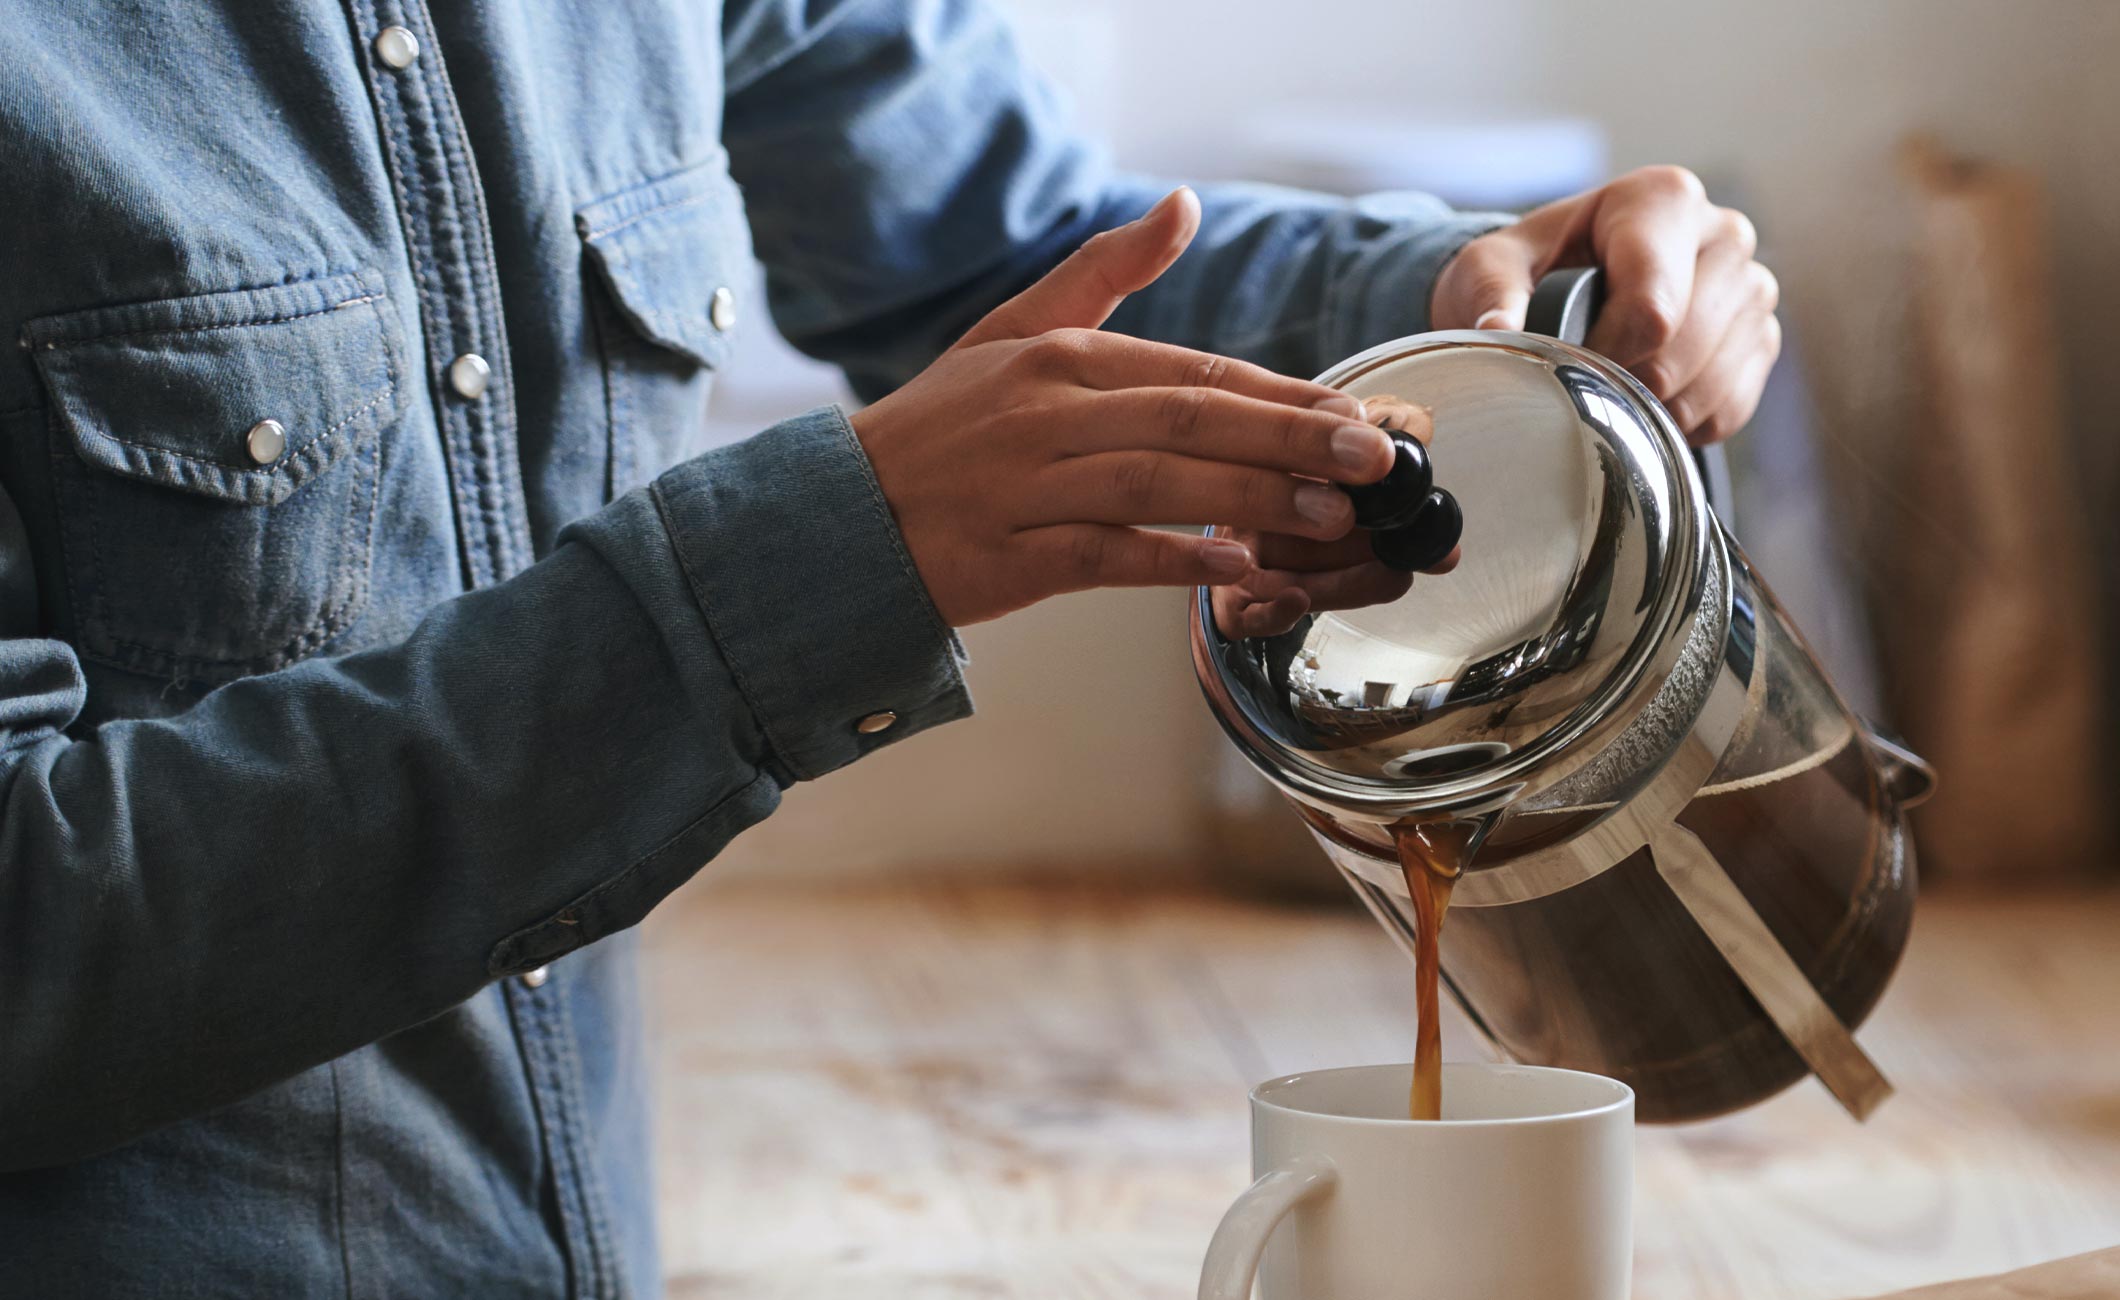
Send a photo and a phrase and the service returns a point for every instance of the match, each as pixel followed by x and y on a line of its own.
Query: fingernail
pixel 1160 204
pixel 1226 559
pixel 1340 404
pixel 1357 446
pixel 1497 319
pixel 1322 505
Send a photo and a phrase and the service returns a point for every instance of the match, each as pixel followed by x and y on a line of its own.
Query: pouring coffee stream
pixel 1695 875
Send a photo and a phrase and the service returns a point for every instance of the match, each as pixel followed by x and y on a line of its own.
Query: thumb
pixel 1487 286
pixel 1084 290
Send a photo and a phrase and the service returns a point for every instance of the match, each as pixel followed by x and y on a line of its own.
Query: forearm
pixel 1293 280
pixel 906 172
pixel 307 861
pixel 1284 278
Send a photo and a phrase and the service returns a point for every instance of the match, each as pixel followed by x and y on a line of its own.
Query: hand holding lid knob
pixel 1413 523
pixel 1397 497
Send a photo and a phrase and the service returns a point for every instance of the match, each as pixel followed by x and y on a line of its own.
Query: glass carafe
pixel 1693 873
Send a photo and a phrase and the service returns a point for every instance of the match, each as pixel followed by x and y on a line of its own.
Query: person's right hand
pixel 1027 459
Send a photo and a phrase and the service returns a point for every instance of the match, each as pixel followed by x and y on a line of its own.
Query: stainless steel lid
pixel 1583 571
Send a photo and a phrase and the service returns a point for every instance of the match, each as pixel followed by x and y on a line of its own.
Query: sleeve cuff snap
pixel 789 547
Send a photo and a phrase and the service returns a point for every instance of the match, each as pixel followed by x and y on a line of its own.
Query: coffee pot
pixel 1692 871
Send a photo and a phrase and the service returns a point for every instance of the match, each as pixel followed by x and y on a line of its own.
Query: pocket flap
pixel 169 391
pixel 666 248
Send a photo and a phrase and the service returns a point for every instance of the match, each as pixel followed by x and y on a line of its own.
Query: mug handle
pixel 1233 1255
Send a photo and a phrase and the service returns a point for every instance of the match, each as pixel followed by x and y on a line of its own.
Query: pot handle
pixel 1907 777
pixel 1564 306
pixel 1233 1255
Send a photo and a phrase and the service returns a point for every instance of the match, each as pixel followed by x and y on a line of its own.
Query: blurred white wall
pixel 1091 741
pixel 1795 104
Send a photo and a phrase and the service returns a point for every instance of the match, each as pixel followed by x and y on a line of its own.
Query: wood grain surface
pixel 944 1091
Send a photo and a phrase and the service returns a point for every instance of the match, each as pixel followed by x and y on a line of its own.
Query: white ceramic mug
pixel 1525 1188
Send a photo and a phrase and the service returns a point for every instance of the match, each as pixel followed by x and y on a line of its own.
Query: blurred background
pixel 1871 509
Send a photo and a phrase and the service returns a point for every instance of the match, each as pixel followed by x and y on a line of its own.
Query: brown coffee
pixel 1614 977
pixel 1433 855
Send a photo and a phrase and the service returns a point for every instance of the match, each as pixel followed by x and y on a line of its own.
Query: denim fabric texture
pixel 313 741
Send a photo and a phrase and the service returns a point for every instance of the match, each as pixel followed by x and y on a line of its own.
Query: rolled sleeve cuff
pixel 1386 295
pixel 810 594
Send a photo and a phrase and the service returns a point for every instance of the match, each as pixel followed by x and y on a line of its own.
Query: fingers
pixel 1353 587
pixel 1083 291
pixel 1647 233
pixel 1116 361
pixel 1078 557
pixel 1239 616
pixel 1722 399
pixel 1488 284
pixel 1302 555
pixel 1280 551
pixel 1268 603
pixel 1213 425
pixel 1726 283
pixel 1153 487
pixel 1400 416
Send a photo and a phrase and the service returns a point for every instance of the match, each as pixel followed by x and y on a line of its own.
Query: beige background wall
pixel 1090 744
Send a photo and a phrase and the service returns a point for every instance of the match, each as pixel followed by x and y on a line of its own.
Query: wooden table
pixel 987 1092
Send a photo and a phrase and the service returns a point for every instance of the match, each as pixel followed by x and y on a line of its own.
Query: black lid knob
pixel 1424 541
pixel 1394 499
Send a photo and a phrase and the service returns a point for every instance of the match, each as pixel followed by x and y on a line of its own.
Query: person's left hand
pixel 1297 576
pixel 1687 309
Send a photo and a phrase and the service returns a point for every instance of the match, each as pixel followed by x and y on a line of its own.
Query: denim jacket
pixel 376 646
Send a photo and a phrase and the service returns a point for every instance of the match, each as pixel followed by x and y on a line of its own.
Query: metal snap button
pixel 267 440
pixel 468 374
pixel 397 48
pixel 722 309
pixel 876 722
pixel 535 979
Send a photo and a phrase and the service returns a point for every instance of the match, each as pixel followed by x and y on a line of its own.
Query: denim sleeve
pixel 906 172
pixel 194 907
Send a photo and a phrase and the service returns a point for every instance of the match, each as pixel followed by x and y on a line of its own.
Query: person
pixel 378 647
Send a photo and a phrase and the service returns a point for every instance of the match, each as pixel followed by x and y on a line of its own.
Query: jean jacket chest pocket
pixel 215 460
pixel 666 263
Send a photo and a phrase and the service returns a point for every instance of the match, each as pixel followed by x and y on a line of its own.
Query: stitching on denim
pixel 557 1133
pixel 338 1175
pixel 441 225
pixel 508 950
pixel 388 391
pixel 600 231
pixel 486 422
pixel 601 326
pixel 622 403
pixel 343 607
pixel 53 345
pixel 712 173
pixel 568 1061
pixel 736 670
pixel 409 189
pixel 356 566
pixel 140 657
pixel 496 416
pixel 601 1245
pixel 654 320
